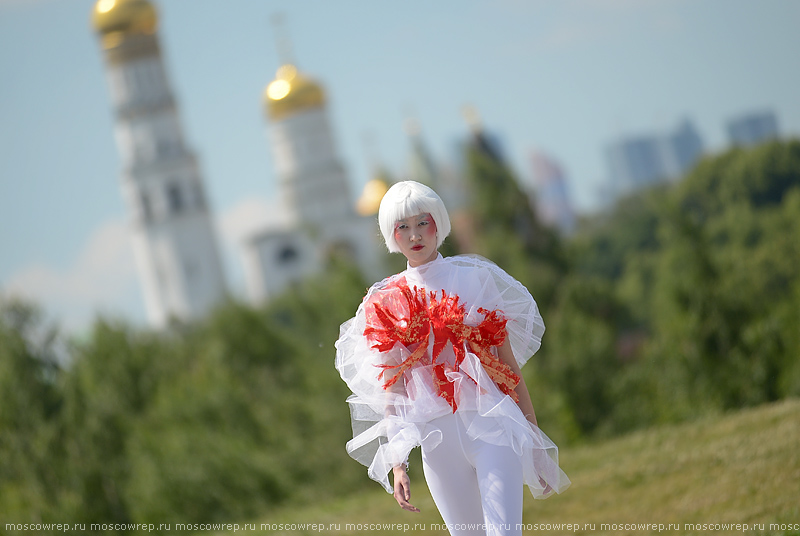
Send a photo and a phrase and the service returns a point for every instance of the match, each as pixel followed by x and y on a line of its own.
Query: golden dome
pixel 370 200
pixel 290 93
pixel 117 18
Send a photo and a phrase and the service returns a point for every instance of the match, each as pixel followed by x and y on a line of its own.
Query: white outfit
pixel 420 358
pixel 476 486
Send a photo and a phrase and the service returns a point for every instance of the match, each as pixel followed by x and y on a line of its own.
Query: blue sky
pixel 565 77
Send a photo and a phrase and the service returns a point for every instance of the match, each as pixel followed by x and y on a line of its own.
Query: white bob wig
pixel 406 199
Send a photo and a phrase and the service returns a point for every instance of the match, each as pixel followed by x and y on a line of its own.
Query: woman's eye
pixel 423 222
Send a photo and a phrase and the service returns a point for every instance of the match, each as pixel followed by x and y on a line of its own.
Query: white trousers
pixel 476 486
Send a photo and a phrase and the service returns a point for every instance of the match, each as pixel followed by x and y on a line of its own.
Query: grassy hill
pixel 736 468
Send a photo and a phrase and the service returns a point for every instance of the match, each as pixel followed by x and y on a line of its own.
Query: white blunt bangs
pixel 406 199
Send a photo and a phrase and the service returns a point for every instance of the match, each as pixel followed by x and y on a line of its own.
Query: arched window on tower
pixel 167 137
pixel 175 198
pixel 146 208
pixel 288 254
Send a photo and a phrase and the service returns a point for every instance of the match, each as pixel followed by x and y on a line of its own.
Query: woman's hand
pixel 546 489
pixel 402 489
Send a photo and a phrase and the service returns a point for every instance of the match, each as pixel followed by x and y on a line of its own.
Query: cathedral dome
pixel 124 17
pixel 290 93
pixel 370 200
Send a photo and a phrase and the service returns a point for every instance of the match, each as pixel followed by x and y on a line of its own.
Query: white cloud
pixel 101 279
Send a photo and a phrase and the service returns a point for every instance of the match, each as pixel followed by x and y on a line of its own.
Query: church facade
pixel 313 187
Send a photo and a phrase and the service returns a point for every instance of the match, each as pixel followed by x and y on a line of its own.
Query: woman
pixel 433 358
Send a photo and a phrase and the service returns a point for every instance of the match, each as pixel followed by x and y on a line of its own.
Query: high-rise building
pixel 173 238
pixel 640 161
pixel 313 189
pixel 685 149
pixel 752 129
pixel 553 205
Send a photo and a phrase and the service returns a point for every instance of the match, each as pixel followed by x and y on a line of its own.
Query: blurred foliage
pixel 219 420
pixel 706 273
pixel 682 300
pixel 503 223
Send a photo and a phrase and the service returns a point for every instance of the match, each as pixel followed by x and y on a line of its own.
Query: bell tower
pixel 313 187
pixel 175 248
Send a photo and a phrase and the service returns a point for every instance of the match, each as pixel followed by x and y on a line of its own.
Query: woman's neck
pixel 432 258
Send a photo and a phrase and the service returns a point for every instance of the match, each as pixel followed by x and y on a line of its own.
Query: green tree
pixel 585 350
pixel 210 445
pixel 607 242
pixel 720 288
pixel 29 398
pixel 504 226
pixel 108 387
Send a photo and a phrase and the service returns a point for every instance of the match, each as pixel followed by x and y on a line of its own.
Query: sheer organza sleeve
pixel 382 436
pixel 482 283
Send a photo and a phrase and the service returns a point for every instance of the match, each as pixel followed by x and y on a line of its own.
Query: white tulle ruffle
pixel 389 423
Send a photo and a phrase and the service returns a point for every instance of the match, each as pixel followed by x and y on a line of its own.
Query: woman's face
pixel 416 237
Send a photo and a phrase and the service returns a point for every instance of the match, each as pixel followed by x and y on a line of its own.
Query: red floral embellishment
pixel 444 385
pixel 408 316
